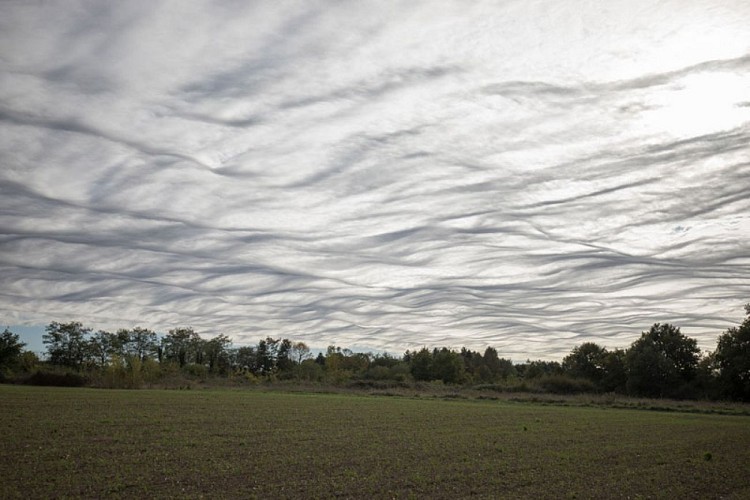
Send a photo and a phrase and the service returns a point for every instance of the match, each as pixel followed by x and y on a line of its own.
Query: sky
pixel 379 175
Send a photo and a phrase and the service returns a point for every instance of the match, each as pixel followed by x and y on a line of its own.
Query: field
pixel 90 443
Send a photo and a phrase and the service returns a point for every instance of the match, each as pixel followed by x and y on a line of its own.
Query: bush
pixel 563 384
pixel 114 375
pixel 196 370
pixel 57 379
pixel 151 371
pixel 378 373
pixel 377 384
pixel 122 373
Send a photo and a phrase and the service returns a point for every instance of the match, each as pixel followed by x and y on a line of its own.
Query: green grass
pixel 243 444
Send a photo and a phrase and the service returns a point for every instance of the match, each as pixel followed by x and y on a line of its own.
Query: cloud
pixel 375 178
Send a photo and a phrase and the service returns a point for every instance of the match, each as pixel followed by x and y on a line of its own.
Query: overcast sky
pixel 378 175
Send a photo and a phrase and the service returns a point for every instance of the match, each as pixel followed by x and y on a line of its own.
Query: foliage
pixel 57 378
pixel 447 366
pixel 498 368
pixel 661 362
pixel 421 364
pixel 27 361
pixel 310 371
pixel 10 351
pixel 138 343
pixel 66 344
pixel 217 354
pixel 586 361
pixel 564 384
pixel 535 369
pixel 615 377
pixel 182 345
pixel 732 358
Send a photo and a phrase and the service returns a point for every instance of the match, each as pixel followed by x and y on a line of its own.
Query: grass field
pixel 90 443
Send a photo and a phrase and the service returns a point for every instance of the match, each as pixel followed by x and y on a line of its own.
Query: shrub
pixel 378 373
pixel 563 384
pixel 195 370
pixel 57 379
pixel 491 387
pixel 151 370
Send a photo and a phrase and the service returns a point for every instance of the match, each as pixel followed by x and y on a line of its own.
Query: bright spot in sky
pixel 700 104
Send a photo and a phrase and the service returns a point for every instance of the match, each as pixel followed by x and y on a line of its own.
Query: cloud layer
pixel 527 175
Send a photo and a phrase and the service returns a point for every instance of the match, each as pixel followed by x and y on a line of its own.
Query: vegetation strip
pixel 662 363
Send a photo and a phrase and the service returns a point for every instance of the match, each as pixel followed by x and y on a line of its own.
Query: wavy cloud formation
pixel 527 175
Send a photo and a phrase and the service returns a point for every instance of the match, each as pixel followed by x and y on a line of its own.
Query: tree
pixel 490 365
pixel 355 362
pixel 27 361
pixel 246 359
pixel 103 346
pixel 66 343
pixel 266 356
pixel 179 345
pixel 615 377
pixel 421 364
pixel 384 360
pixel 662 362
pixel 586 361
pixel 300 352
pixel 539 368
pixel 284 361
pixel 311 370
pixel 334 360
pixel 217 354
pixel 142 343
pixel 447 366
pixel 732 359
pixel 10 350
pixel 474 365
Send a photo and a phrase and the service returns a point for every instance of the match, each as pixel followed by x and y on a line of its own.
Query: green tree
pixel 500 368
pixel 142 343
pixel 311 370
pixel 474 366
pixel 355 362
pixel 447 366
pixel 266 356
pixel 66 343
pixel 536 369
pixel 10 351
pixel 27 361
pixel 246 359
pixel 420 364
pixel 217 354
pixel 284 361
pixel 384 360
pixel 732 358
pixel 615 376
pixel 662 362
pixel 179 346
pixel 103 346
pixel 334 359
pixel 586 361
pixel 492 365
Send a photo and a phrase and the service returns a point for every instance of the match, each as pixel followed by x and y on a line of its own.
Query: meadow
pixel 231 443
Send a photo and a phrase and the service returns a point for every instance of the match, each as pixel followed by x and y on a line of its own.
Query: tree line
pixel 662 362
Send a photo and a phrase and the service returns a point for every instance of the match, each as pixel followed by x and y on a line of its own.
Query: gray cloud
pixel 374 178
